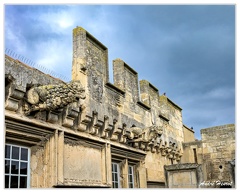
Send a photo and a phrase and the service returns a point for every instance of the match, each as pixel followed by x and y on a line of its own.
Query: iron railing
pixel 33 64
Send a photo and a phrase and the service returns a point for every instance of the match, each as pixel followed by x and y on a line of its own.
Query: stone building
pixel 205 163
pixel 216 154
pixel 91 133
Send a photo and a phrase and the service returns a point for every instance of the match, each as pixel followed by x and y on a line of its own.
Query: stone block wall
pixel 173 113
pixel 188 175
pixel 127 101
pixel 188 134
pixel 192 152
pixel 89 56
pixel 108 115
pixel 91 121
pixel 83 163
pixel 18 79
pixel 123 100
pixel 218 149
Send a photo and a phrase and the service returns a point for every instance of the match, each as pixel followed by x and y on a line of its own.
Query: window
pixel 16 166
pixel 130 177
pixel 195 155
pixel 115 175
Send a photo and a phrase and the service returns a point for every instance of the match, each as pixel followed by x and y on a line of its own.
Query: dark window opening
pixel 155 184
pixel 195 155
pixel 7 87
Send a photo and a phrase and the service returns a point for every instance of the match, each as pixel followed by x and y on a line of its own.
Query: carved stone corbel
pixel 13 99
pixel 70 113
pixel 116 131
pixel 174 154
pixel 136 144
pixel 143 145
pixel 83 121
pixel 145 139
pixel 163 152
pixel 13 95
pixel 124 134
pixel 163 148
pixel 157 143
pixel 104 131
pixel 95 124
pixel 179 157
pixel 148 148
pixel 127 133
pixel 52 116
pixel 151 145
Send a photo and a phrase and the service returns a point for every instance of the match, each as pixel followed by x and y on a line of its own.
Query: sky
pixel 186 51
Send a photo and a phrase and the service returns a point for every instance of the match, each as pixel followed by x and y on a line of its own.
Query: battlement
pixel 88 54
pixel 90 103
pixel 128 100
pixel 90 61
pixel 89 123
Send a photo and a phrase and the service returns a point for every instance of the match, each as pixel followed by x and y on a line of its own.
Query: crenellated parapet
pixel 126 79
pixel 149 93
pixel 129 112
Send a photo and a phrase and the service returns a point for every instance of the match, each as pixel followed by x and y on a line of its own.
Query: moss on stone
pixel 77 29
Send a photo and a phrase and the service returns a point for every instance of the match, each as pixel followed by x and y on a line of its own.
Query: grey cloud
pixel 186 51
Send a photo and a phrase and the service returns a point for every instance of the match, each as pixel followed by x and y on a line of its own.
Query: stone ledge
pixel 181 166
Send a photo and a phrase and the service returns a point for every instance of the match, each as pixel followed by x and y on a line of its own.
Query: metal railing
pixel 33 64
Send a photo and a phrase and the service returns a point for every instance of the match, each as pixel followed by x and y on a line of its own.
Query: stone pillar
pixel 106 165
pixel 55 150
pixel 124 173
pixel 60 152
pixel 142 173
pixel 52 160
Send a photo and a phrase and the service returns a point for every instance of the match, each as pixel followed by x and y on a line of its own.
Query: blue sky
pixel 186 51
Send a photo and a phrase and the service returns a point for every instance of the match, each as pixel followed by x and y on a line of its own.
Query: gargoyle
pixel 146 135
pixel 51 97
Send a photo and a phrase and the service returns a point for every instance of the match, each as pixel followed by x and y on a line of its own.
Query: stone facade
pixel 218 150
pixel 188 134
pixel 187 175
pixel 215 152
pixel 90 132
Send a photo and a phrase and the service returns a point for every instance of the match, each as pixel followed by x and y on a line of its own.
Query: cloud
pixel 57 21
pixel 220 93
pixel 205 116
pixel 14 36
pixel 50 53
pixel 186 51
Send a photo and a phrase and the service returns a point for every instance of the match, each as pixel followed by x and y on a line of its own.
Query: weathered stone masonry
pixel 76 130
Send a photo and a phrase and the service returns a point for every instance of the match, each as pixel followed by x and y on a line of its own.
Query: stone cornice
pixel 35 123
